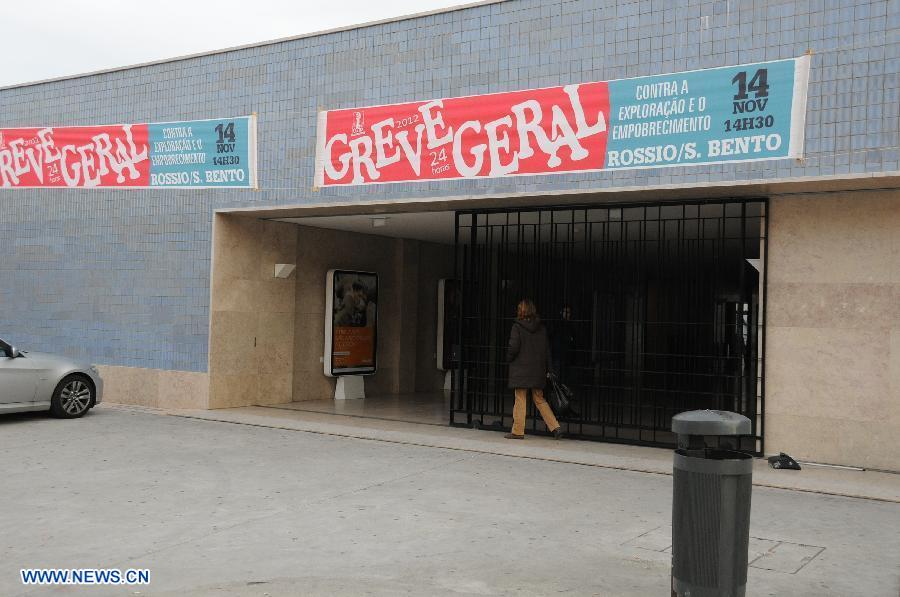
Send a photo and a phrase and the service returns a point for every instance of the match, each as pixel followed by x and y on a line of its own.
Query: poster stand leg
pixel 350 387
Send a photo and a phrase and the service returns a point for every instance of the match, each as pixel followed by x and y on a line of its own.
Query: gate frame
pixel 757 425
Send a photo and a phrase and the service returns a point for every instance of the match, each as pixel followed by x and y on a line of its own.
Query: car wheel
pixel 73 397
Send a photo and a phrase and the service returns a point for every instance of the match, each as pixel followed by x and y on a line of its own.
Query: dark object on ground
pixel 558 433
pixel 513 436
pixel 783 461
pixel 561 398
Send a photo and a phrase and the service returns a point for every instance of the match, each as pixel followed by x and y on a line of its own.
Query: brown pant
pixel 518 427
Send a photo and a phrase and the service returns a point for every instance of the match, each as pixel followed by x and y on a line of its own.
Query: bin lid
pixel 710 422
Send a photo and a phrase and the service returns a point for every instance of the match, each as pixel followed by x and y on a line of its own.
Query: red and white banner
pixel 217 153
pixel 99 156
pixel 741 113
pixel 555 129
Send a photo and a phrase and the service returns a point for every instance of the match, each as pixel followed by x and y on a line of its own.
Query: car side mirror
pixel 14 352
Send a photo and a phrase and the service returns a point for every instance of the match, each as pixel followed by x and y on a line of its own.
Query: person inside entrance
pixel 529 365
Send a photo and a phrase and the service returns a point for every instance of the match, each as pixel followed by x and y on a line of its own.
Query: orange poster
pixel 353 347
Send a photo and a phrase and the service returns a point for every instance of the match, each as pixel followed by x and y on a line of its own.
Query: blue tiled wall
pixel 122 277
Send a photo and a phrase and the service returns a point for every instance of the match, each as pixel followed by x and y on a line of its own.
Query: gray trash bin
pixel 710 505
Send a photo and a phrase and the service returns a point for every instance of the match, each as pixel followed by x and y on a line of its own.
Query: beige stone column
pixel 833 329
pixel 251 346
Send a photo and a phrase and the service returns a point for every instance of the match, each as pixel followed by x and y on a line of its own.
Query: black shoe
pixel 514 436
pixel 558 433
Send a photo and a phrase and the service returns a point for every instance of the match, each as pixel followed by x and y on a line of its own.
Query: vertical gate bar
pixel 491 389
pixel 645 316
pixel 587 358
pixel 501 295
pixel 723 376
pixel 765 326
pixel 468 260
pixel 502 267
pixel 680 284
pixel 602 375
pixel 615 372
pixel 579 346
pixel 632 297
pixel 487 269
pixel 686 294
pixel 662 315
pixel 594 343
pixel 719 365
pixel 508 259
pixel 696 292
pixel 453 382
pixel 473 251
pixel 487 274
pixel 628 408
pixel 474 385
pixel 535 272
pixel 620 377
pixel 745 300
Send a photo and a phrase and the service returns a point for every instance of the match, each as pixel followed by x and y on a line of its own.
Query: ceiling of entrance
pixel 434 226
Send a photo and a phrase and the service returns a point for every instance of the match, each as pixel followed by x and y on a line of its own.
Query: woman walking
pixel 529 363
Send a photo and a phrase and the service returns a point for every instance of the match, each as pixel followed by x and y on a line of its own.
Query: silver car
pixel 40 381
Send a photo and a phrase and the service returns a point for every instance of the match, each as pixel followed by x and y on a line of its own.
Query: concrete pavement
pixel 818 479
pixel 217 508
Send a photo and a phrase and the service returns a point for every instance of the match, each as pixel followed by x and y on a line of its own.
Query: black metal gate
pixel 653 309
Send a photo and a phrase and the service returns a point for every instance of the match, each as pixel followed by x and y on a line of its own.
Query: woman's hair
pixel 526 310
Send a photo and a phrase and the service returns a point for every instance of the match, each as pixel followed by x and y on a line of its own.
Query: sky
pixel 54 38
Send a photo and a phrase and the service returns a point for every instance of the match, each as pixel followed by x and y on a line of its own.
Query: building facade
pixel 170 290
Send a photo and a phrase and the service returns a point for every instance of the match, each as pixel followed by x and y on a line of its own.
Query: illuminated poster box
pixel 351 323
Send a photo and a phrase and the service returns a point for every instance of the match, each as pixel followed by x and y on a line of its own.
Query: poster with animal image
pixel 351 329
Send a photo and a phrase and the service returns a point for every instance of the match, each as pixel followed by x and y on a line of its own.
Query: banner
pixel 351 304
pixel 218 153
pixel 730 114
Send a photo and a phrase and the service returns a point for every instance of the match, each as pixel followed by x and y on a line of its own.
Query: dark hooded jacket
pixel 528 354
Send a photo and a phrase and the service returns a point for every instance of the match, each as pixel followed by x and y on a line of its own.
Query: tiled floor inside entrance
pixel 430 408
